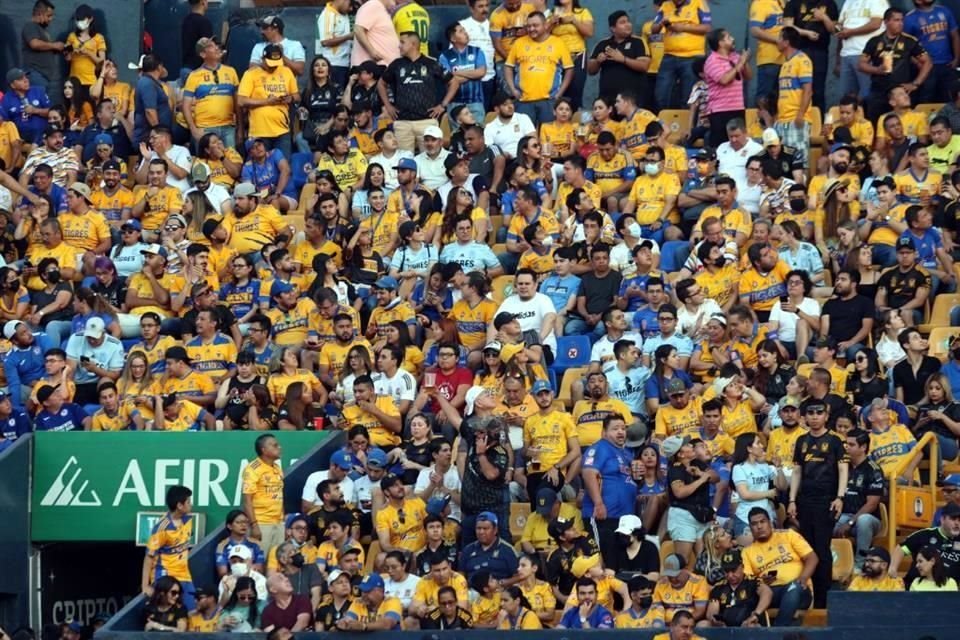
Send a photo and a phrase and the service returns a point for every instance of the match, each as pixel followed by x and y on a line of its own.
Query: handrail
pixel 928 439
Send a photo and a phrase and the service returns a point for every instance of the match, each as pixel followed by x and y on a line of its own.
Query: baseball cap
pixel 333 575
pixel 508 351
pixel 558 525
pixel 471 398
pixel 546 498
pixel 789 401
pixel 341 459
pixel 814 405
pixel 646 244
pixel 636 435
pixel 210 225
pixel 539 386
pixel 906 242
pixel 502 318
pixel 132 223
pixel 82 190
pixel 951 510
pixel 240 551
pixel 273 55
pixel 493 346
pixel 433 132
pixel 707 154
pixel 94 328
pixel 770 137
pixel 722 383
pixel 488 516
pixel 45 391
pixel 731 560
pixel 75 626
pixel 376 457
pixel 386 283
pixel 452 161
pixel 10 328
pixel 245 190
pixel 205 592
pixel 952 480
pixel 673 565
pixel 279 287
pixel 676 385
pixel 178 218
pixel 878 552
pixel 293 517
pixel 583 564
pixel 51 129
pixel 437 504
pixel 15 74
pixel 271 21
pixel 628 524
pixel 200 173
pixel 371 582
pixel 670 446
pixel 406 163
pixel 154 249
pixel 177 353
pixel 138 65
pixel 111 165
pixel 839 146
pixel 103 139
pixel 827 342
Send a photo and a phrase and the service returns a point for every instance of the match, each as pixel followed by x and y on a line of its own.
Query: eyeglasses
pixel 447 603
pixel 861 358
pixel 794 281
pixel 174 592
pixel 172 227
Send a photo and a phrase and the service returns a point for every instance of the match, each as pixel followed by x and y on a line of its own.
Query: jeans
pixel 301 144
pixel 789 599
pixel 280 142
pixel 509 261
pixel 59 331
pixel 852 80
pixel 577 326
pixel 863 532
pixel 672 71
pixel 476 108
pixel 821 66
pixel 767 78
pixel 539 111
pixel 936 87
pixel 884 255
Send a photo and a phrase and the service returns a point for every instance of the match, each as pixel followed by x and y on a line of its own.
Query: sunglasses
pixel 172 227
pixel 860 359
pixel 174 592
pixel 249 598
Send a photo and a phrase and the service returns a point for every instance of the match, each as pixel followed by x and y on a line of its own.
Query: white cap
pixel 93 328
pixel 770 136
pixel 241 551
pixel 333 575
pixel 628 524
pixel 434 132
pixel 472 394
pixel 136 66
pixel 10 328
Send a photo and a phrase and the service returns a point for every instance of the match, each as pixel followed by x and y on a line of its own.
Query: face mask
pixel 624 539
pixel 297 560
pixel 83 24
pixel 547 242
pixel 840 167
pixel 239 569
pixel 646 603
pixel 798 205
pixel 53 277
pixel 14 285
pixel 651 168
pixel 634 229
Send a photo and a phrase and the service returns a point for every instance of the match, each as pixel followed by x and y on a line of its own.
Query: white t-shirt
pixel 602 350
pixel 531 313
pixel 749 196
pixel 687 321
pixel 333 24
pixel 734 163
pixel 479 33
pixel 403 590
pixel 388 164
pixel 757 478
pixel 621 258
pixel 406 259
pixel 362 493
pixel 402 386
pixel 855 14
pixel 431 171
pixel 216 194
pixel 259 581
pixel 292 50
pixel 345 387
pixel 443 191
pixel 787 330
pixel 180 157
pixel 313 481
pixel 506 135
pixel 451 482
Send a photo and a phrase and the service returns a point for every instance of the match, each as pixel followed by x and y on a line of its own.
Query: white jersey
pixel 402 386
pixel 479 33
pixel 309 492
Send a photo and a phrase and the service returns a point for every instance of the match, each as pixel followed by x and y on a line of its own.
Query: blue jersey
pixel 57 193
pixel 266 176
pixel 559 289
pixel 599 619
pixel 927 245
pixel 656 386
pixel 932 28
pixel 467 60
pixel 16 425
pixel 678 341
pixel 29 126
pixel 150 94
pixel 242 298
pixel 25 366
pixel 617 488
pixel 418 295
pixel 69 418
pixel 510 195
pixel 646 321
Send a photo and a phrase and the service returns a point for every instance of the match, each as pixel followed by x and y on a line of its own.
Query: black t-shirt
pixel 911 384
pixel 846 316
pixel 422 561
pixel 802 13
pixel 949 409
pixel 865 480
pixel 646 560
pixel 600 292
pixel 818 458
pixel 168 618
pixel 904 49
pixel 226 317
pixel 949 549
pixel 418 453
pixel 864 392
pixel 367 96
pixel 434 620
pixel 696 500
pixel 416 84
pixel 776 386
pixel 236 407
pixel 789 159
pixel 321 102
pixel 194 27
pixel 328 614
pixel 736 605
pixel 902 286
pixel 482 164
pixel 614 76
pixel 479 493
pixel 41 298
pixel 560 563
pixel 319 519
pixel 115 294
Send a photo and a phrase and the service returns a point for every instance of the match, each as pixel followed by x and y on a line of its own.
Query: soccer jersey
pixel 675 158
pixel 63 253
pixel 783 552
pixel 249 233
pixel 654 42
pixel 915 124
pixel 383 227
pixel 102 421
pixel 681 43
pixel 610 175
pixel 197 623
pixel 427 589
pixel 190 417
pixel 213 92
pixel 796 72
pixel 592 190
pixel 472 321
pixel 913 188
pixel 390 608
pixel 272 120
pixel 242 298
pixel 324 326
pixel 560 136
pixel 192 385
pixel 291 327
pixel 782 443
pixel 413 17
pixel 546 219
pixel 590 414
pixel 632 619
pixel 155 354
pixel 634 135
pixel 333 355
pixel 405 525
pixel 739 420
pixel 381 317
pixel 166 201
pixel 882 583
pixel 348 172
pixel 113 207
pixel 120 94
pixel 139 283
pixel 718 286
pixel 694 593
pixel 768 16
pixel 380 436
pixel 82 65
pixel 509 25
pixel 734 221
pixel 550 433
pixel 650 193
pixel 889 448
pixel 215 358
pixel 264 482
pixel 679 422
pixel 168 547
pixel 763 290
pixel 541 264
pixel 278 383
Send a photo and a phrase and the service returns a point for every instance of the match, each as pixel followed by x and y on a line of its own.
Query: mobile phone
pixel 84 359
pixel 784 299
pixel 772 573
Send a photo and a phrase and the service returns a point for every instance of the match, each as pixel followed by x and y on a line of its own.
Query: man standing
pixel 414 80
pixel 263 493
pixel 477 26
pixel 551 445
pixel 293 55
pixel 684 25
pixel 267 91
pixel 468 65
pixel 335 39
pixel 848 316
pixel 766 21
pixel 621 60
pixel 532 69
pixel 26 105
pixel 935 28
pixel 892 59
pixel 169 546
pixel 375 34
pixel 151 104
pixel 859 21
pixel 795 95
pixel 41 53
pixel 816 21
pixel 484 480
pixel 210 96
pixel 195 27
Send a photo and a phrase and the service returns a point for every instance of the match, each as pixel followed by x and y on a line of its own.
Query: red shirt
pixel 274 616
pixel 447 385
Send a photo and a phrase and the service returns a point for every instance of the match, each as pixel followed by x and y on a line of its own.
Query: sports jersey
pixel 155 355
pixel 63 253
pixel 218 172
pixel 720 445
pixel 550 433
pixel 782 443
pixel 380 436
pixel 541 264
pixel 278 383
pixel 509 25
pixel 654 43
pixel 304 252
pixel 69 418
pixel 739 420
pixel 633 619
pixel 102 421
pixel 328 554
pixel 671 421
pixel 589 415
pixel 485 610
pixel 768 16
pixel 215 358
pixel 610 175
pixel 348 172
pixel 942 157
pixel 264 482
pixel 399 309
pixel 734 221
pixel 120 94
pixel 889 448
pixel 324 326
pixel 197 623
pixel 129 392
pixel 383 227
pixel 783 552
pixel 526 620
pixel 168 547
pixel 472 321
pixel 915 124
pixel 390 608
pixel 242 298
pixel 473 256
pixel 192 385
pixel 113 207
pixel 272 120
pixel 413 17
pixel 763 291
pixel 675 158
pixel 213 92
pixel 694 593
pixel 405 525
pixel 683 44
pixel 634 132
pixel 796 72
pixel 881 233
pixel 139 283
pixel 606 587
pixel 912 188
pixel 560 136
pixel 166 201
pixel 333 355
pixel 592 190
pixel 82 65
pixel 650 193
pixel 883 583
pixel 902 287
pixel 718 286
pixel 290 328
pixel 190 417
pixel 546 219
pixel 427 588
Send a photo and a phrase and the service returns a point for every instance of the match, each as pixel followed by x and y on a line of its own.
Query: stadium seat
pixel 301 166
pixel 572 351
pixel 881 537
pixel 296 221
pixel 553 379
pixel 519 512
pixel 842 550
pixel 677 122
pixel 495 223
pixel 940 314
pixel 567 382
pixel 372 554
pixel 666 549
pixel 501 287
pixel 929 108
pixel 939 340
pixel 817 126
pixel 498 248
pixel 305 203
pixel 752 118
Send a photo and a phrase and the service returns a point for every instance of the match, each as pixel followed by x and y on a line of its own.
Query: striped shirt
pixel 727 97
pixel 469 59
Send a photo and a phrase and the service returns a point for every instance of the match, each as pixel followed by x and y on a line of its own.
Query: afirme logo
pixel 62 493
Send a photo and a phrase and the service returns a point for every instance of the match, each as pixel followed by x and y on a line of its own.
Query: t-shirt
pixel 617 487
pixel 818 458
pixel 758 477
pixel 415 84
pixel 150 94
pixel 539 66
pixel 616 75
pixel 272 120
pixel 70 417
pixel 599 292
pixel 901 51
pixel 846 316
pixel 783 552
pixel 274 616
pixel 375 21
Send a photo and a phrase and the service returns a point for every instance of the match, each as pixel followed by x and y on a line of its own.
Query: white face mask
pixel 634 229
pixel 83 24
pixel 547 241
pixel 239 569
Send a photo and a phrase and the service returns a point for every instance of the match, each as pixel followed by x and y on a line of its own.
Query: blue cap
pixel 293 517
pixel 3 395
pixel 132 223
pixel 953 479
pixel 279 286
pixel 540 385
pixel 407 163
pixel 488 516
pixel 387 283
pixel 377 457
pixel 103 138
pixel 76 627
pixel 436 505
pixel 371 582
pixel 341 459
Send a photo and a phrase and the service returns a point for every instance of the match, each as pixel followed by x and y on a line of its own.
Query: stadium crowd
pixel 591 373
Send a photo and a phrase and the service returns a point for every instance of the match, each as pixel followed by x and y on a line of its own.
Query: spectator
pixel 372 611
pixel 210 95
pixel 793 105
pixel 642 613
pixel 165 610
pixel 243 607
pixel 684 27
pixel 906 286
pixel 157 200
pixel 468 64
pixel 39 51
pixel 52 153
pixel 263 493
pixel 94 356
pixel 679 590
pixel 891 67
pixel 195 26
pixel 376 35
pixel 304 576
pixel 766 21
pixel 285 609
pixel 738 601
pixel 335 44
pixel 516 612
pixel 911 373
pixel 621 60
pixel 293 55
pixel 151 105
pixel 269 173
pixel 266 91
pixel 589 614
pixel 874 574
pixel 336 603
pixel 239 560
pixel 165 566
pixel 238 529
pixel 57 414
pixel 931 572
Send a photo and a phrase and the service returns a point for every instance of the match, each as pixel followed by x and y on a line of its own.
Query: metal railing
pixel 928 440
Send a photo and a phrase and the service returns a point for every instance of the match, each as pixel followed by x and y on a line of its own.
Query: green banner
pixel 90 486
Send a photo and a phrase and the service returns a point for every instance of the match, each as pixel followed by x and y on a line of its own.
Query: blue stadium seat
pixel 301 165
pixel 668 256
pixel 572 351
pixel 553 380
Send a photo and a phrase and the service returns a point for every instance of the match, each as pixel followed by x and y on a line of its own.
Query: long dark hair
pixel 401 328
pixel 450 214
pixel 660 363
pixel 521 146
pixel 516 594
pixel 299 413
pixel 311 83
pixel 85 12
pixel 763 377
pixel 161 587
pixel 243 584
pixel 367 184
pixel 81 96
pixel 203 145
pixel 939 571
pixel 873 361
pixel 743 442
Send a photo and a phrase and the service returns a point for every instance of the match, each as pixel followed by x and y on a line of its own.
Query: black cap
pixel 502 318
pixel 906 242
pixel 731 560
pixel 452 160
pixel 177 353
pixel 51 129
pixel 827 342
pixel 45 391
pixel 706 154
pixel 110 165
pixel 878 552
pixel 951 509
pixel 558 526
pixel 209 226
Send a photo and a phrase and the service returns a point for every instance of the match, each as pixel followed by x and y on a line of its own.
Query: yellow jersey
pixel 539 67
pixel 166 201
pixel 120 94
pixel 213 92
pixel 155 357
pixel 272 120
pixel 472 321
pixel 215 358
pixel 592 190
pixel 861 131
pixel 695 593
pixel 114 207
pixel 218 172
pixel 631 619
pixel 380 436
pixel 763 290
pixel 168 547
pixel 683 44
pixel 404 525
pixel 768 16
pixel 390 608
pixel 249 233
pixel 540 264
pixel 189 418
pixel 634 135
pixel 324 326
pixel 509 25
pixel 795 73
pixel 610 175
pixel 734 221
pixel 720 446
pixel 139 283
pixel 675 158
pixel 739 420
pixel 427 588
pixel 383 226
pixel 9 136
pixel 278 383
pixel 912 188
pixel 486 610
pixel 589 415
pixel 334 356
pixel 63 253
pixel 413 17
pixel 193 384
pixel 883 583
pixel 550 433
pixel 559 135
pixel 120 421
pixel 781 444
pixel 291 328
pixel 679 422
pixel 889 448
pixel 304 252
pixel 129 391
pixel 381 317
pixel 82 66
pixel 264 483
pixel 526 620
pixel 915 124
pixel 197 623
pixel 523 410
pixel 654 42
pixel 349 172
pixel 606 587
pixel 535 530
pixel 540 596
pixel 650 193
pixel 547 220
pixel 310 555
pixel 568 33
pixel 328 554
pixel 783 552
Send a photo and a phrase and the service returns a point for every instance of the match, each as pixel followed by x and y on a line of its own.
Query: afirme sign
pixel 90 486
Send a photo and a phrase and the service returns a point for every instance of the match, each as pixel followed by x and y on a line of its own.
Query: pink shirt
pixel 373 17
pixel 722 97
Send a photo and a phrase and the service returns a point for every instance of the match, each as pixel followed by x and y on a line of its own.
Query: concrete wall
pixel 15 534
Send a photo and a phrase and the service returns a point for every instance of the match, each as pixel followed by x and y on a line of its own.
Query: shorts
pixel 683 527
